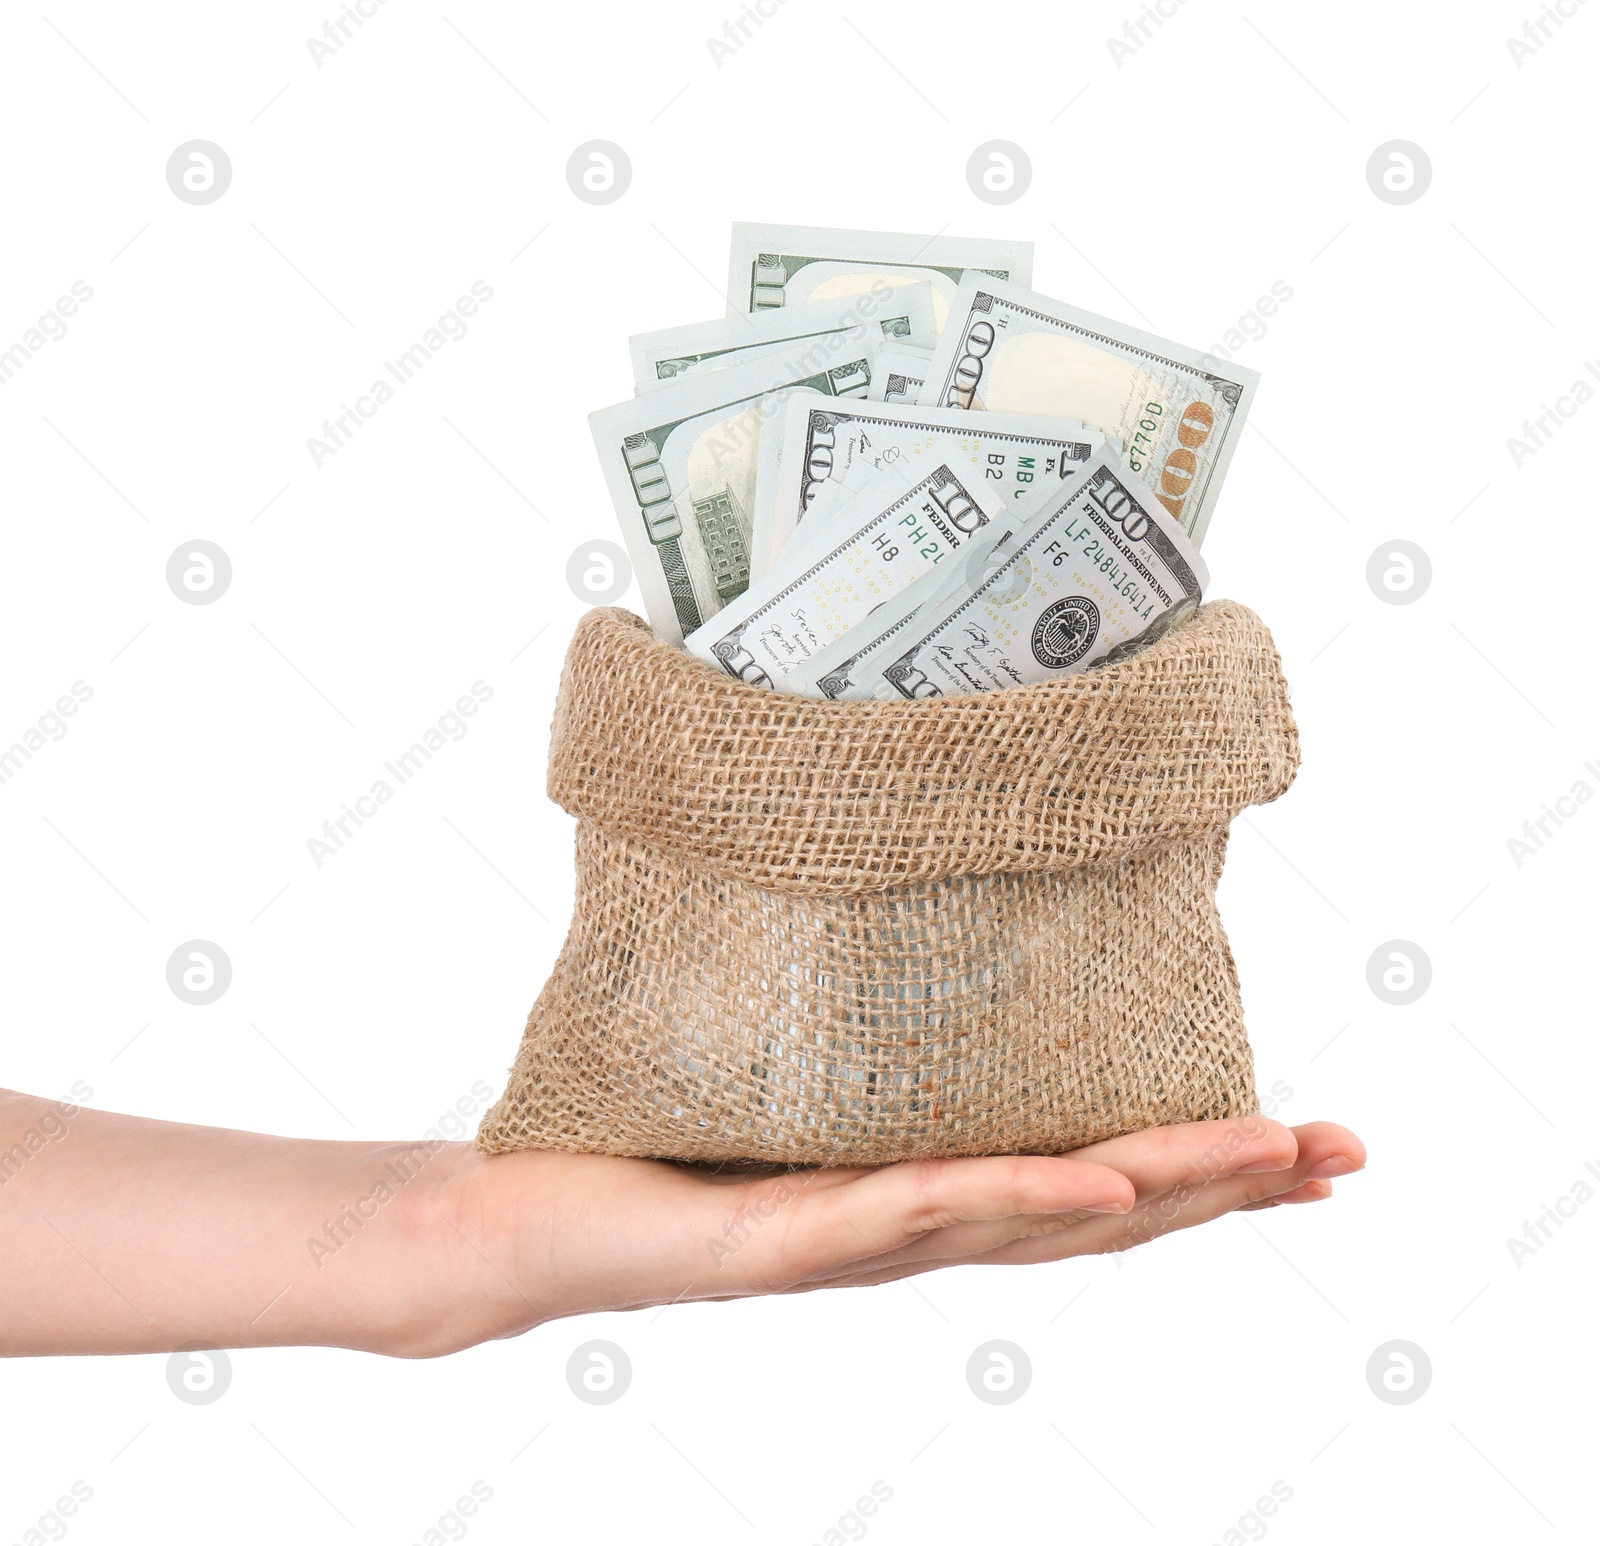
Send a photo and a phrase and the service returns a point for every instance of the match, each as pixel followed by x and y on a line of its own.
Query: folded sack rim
pixel 799 794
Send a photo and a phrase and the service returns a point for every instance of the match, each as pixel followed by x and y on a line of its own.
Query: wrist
pixel 366 1245
pixel 447 1256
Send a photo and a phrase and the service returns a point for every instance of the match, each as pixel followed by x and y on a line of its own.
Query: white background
pixel 1170 1388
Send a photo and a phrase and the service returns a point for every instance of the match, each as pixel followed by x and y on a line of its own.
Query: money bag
pixel 816 933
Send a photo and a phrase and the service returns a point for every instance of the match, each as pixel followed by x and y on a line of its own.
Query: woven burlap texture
pixel 854 933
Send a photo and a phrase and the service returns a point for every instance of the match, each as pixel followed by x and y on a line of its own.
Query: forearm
pixel 123 1235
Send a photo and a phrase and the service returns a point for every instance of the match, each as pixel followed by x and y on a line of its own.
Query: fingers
pixel 889 1209
pixel 1193 1153
pixel 1075 1238
pixel 1312 1191
pixel 908 1200
pixel 1153 1163
pixel 1328 1151
pixel 944 1193
pixel 959 1243
pixel 869 1226
pixel 1322 1148
pixel 1090 1235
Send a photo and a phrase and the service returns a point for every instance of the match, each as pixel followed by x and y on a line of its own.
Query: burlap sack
pixel 853 933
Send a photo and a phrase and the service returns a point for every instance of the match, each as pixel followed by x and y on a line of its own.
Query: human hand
pixel 541 1235
pixel 124 1235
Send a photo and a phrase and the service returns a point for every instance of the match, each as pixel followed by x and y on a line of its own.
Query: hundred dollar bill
pixel 1176 417
pixel 1098 571
pixel 811 335
pixel 902 367
pixel 784 265
pixel 881 542
pixel 845 668
pixel 680 464
pixel 1013 452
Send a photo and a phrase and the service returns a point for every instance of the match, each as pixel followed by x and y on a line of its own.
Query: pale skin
pixel 125 1235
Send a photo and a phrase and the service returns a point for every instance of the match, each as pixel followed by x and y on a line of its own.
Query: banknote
pixel 680 464
pixel 804 334
pixel 878 544
pixel 785 265
pixel 1176 413
pixel 1013 452
pixel 1098 571
pixel 902 367
pixel 846 667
